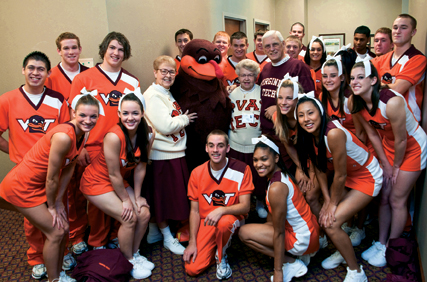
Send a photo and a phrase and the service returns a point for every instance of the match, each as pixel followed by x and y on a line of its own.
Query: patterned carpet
pixel 246 264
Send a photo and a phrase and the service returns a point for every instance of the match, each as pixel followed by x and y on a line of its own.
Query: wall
pixel 289 12
pixel 330 16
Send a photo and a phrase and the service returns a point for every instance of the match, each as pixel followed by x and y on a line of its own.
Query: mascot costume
pixel 198 89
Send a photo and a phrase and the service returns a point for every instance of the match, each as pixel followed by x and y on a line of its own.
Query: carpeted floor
pixel 246 264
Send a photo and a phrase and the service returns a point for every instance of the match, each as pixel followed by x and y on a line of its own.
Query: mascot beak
pixel 207 71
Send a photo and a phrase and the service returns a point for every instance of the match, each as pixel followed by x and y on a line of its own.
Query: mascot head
pixel 200 59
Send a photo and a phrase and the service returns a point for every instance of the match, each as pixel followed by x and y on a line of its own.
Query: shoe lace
pixel 38 266
pixel 336 255
pixel 354 234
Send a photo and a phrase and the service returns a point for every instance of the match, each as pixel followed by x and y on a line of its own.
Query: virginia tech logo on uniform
pixel 218 198
pixel 377 125
pixel 35 124
pixel 111 98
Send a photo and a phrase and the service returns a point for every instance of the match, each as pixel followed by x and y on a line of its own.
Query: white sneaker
pixel 356 236
pixel 69 262
pixel 79 248
pixel 346 228
pixel 143 260
pixel 295 269
pixel 333 261
pixel 323 242
pixel 378 259
pixel 39 271
pixel 305 259
pixel 65 278
pixel 113 244
pixel 138 271
pixel 372 250
pixel 174 246
pixel 262 212
pixel 99 248
pixel 354 276
pixel 223 269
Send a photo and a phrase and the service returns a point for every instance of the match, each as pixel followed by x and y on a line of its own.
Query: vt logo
pixel 111 98
pixel 36 124
pixel 218 197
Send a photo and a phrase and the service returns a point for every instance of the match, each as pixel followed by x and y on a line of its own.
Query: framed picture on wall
pixel 333 42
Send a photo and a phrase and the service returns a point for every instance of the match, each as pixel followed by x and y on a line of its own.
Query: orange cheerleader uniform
pixel 301 227
pixel 95 179
pixel 416 145
pixel 24 185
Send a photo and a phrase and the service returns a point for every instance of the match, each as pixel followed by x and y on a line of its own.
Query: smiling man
pixel 297 29
pixel 239 46
pixel 182 37
pixel 220 192
pixel 403 69
pixel 29 112
pixel 258 55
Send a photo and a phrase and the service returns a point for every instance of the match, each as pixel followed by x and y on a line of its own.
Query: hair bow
pixel 267 142
pixel 137 93
pixel 337 59
pixel 321 40
pixel 309 95
pixel 294 82
pixel 83 93
pixel 343 48
pixel 367 64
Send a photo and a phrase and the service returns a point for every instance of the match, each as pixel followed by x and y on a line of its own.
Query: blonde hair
pixel 281 125
pixel 163 59
pixel 249 65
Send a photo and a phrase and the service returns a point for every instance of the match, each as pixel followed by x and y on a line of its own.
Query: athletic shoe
pixel 354 276
pixel 143 260
pixel 356 236
pixel 174 246
pixel 65 278
pixel 323 242
pixel 378 259
pixel 295 269
pixel 305 259
pixel 371 251
pixel 154 238
pixel 113 244
pixel 139 272
pixel 39 271
pixel 223 269
pixel 333 261
pixel 99 248
pixel 79 248
pixel 69 262
pixel 262 212
pixel 346 228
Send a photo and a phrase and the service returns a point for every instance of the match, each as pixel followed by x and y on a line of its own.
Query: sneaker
pixel 79 248
pixel 353 275
pixel 323 242
pixel 356 236
pixel 305 259
pixel 39 271
pixel 262 212
pixel 143 260
pixel 154 238
pixel 99 248
pixel 223 269
pixel 378 259
pixel 139 272
pixel 113 244
pixel 371 251
pixel 174 246
pixel 333 261
pixel 295 269
pixel 65 278
pixel 69 262
pixel 346 228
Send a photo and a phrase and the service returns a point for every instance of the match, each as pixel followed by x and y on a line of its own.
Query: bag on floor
pixel 102 265
pixel 401 256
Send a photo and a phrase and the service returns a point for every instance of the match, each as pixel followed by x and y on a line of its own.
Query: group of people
pixel 313 137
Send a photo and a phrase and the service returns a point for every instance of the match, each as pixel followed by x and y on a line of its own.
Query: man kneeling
pixel 220 191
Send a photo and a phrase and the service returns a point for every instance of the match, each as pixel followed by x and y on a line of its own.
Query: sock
pixel 167 235
pixel 153 229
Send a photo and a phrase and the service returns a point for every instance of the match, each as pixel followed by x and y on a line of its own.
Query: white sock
pixel 167 235
pixel 153 229
pixel 259 204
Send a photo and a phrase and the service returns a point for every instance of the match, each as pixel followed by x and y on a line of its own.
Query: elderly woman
pixel 245 125
pixel 168 173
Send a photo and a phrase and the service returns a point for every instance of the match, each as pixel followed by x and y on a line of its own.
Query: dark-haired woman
pixel 36 186
pixel 357 177
pixel 402 151
pixel 314 58
pixel 291 226
pixel 125 148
